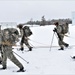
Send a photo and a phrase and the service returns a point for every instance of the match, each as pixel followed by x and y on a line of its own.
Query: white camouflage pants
pixel 8 53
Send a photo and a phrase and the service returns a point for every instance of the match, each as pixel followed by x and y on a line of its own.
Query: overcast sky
pixel 21 11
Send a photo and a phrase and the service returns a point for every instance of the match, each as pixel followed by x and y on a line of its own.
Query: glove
pixel 55 30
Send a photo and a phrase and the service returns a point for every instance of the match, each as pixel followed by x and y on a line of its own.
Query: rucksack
pixel 11 35
pixel 27 31
pixel 65 28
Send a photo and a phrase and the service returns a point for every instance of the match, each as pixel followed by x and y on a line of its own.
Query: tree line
pixel 49 22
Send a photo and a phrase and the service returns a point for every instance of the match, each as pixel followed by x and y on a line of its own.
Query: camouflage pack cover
pixel 27 31
pixel 10 35
pixel 65 28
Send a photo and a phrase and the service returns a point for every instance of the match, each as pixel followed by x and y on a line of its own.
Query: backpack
pixel 27 31
pixel 65 28
pixel 10 35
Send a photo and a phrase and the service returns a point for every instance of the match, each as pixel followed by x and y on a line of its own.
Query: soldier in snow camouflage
pixel 24 35
pixel 60 34
pixel 9 38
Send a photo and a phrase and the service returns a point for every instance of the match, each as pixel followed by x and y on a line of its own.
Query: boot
pixel 30 49
pixel 66 45
pixel 61 48
pixel 3 68
pixel 21 48
pixel 21 70
pixel 73 57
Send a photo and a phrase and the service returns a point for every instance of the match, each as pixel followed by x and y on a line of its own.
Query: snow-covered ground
pixel 44 59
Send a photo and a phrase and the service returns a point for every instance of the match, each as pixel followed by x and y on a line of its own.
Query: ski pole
pixel 52 41
pixel 32 45
pixel 21 58
pixel 56 36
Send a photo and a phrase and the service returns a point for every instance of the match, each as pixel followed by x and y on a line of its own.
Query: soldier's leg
pixel 65 44
pixel 0 60
pixel 60 42
pixel 14 60
pixel 1 54
pixel 22 48
pixel 4 58
pixel 27 44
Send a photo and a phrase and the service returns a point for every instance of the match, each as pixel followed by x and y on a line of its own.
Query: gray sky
pixel 21 11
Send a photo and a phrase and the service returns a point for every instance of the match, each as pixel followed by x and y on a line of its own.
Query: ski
pixel 70 47
pixel 27 50
pixel 24 51
pixel 19 71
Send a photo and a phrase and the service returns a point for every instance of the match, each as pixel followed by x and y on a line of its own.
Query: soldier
pixel 24 39
pixel 59 31
pixel 9 36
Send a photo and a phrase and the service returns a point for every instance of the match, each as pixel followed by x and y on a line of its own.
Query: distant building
pixel 8 24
